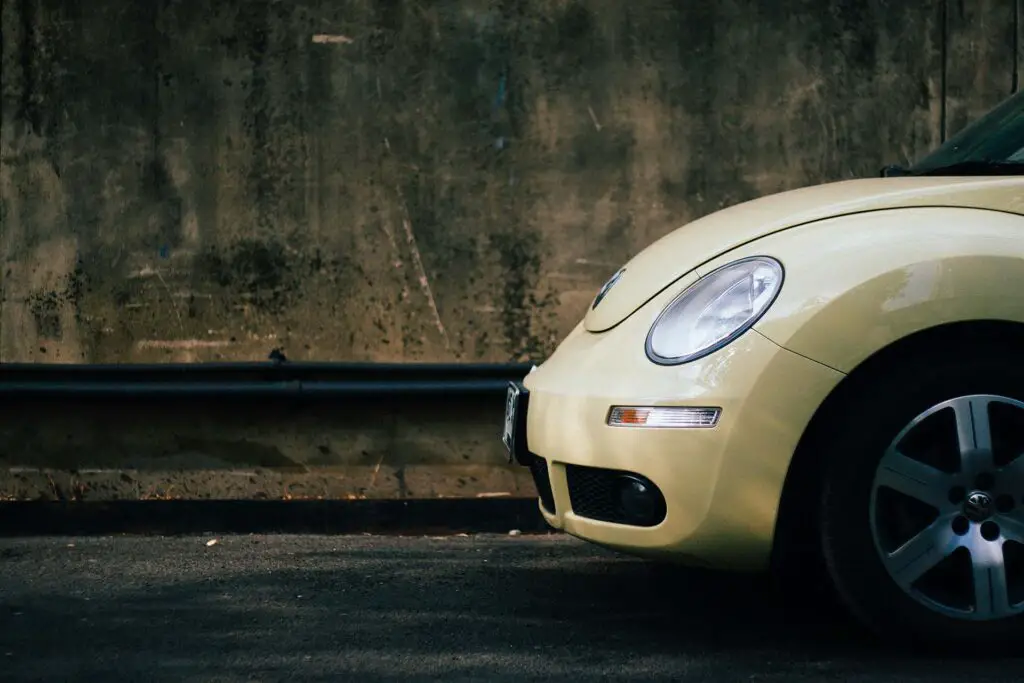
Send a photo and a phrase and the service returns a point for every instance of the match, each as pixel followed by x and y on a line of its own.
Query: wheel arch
pixel 795 530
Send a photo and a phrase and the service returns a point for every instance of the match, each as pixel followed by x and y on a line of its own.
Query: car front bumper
pixel 721 485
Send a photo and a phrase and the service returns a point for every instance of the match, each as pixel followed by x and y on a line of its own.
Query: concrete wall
pixel 124 450
pixel 398 180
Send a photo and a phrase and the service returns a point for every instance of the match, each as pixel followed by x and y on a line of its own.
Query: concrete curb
pixel 174 517
pixel 405 448
pixel 341 482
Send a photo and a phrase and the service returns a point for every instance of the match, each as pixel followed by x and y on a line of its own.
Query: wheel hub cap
pixel 947 508
pixel 979 506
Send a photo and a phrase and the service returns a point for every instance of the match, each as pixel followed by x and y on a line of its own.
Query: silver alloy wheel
pixel 947 514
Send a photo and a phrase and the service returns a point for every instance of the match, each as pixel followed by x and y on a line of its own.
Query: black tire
pixel 870 418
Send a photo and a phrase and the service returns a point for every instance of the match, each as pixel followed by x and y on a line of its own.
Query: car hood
pixel 696 243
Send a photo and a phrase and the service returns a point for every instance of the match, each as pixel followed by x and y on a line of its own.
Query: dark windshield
pixel 996 138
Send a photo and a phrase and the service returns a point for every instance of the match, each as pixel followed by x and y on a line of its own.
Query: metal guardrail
pixel 277 378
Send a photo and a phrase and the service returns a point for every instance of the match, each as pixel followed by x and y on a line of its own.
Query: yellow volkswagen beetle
pixel 831 376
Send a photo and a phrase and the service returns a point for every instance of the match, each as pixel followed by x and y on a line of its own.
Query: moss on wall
pixel 422 181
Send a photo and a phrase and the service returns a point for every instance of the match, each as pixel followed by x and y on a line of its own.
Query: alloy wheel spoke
pixel 1011 479
pixel 915 479
pixel 974 433
pixel 1012 526
pixel 923 552
pixel 985 527
pixel 991 592
pixel 1012 476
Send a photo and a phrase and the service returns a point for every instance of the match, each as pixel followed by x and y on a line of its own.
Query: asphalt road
pixel 483 608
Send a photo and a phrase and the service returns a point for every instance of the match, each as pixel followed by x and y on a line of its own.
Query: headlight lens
pixel 715 310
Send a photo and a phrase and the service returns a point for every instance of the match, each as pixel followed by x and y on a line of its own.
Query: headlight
pixel 714 311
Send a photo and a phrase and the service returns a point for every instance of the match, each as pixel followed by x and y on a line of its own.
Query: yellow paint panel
pixel 901 256
pixel 858 283
pixel 694 244
pixel 723 484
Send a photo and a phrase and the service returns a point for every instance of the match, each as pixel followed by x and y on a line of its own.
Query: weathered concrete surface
pixel 399 180
pixel 342 482
pixel 118 451
pixel 981 59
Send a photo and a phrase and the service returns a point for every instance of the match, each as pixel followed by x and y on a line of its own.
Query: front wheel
pixel 922 507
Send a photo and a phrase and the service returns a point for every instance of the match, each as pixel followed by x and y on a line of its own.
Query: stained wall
pixel 399 180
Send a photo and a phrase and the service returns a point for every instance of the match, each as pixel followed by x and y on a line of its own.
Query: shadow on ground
pixel 369 608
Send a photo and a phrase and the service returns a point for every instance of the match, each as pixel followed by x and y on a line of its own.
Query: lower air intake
pixel 614 496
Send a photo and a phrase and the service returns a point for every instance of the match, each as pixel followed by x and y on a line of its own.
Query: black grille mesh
pixel 594 493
